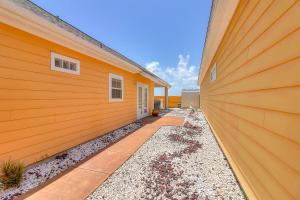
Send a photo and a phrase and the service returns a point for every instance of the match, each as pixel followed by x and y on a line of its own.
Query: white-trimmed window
pixel 116 87
pixel 213 73
pixel 65 64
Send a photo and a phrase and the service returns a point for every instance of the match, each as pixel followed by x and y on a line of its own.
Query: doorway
pixel 142 100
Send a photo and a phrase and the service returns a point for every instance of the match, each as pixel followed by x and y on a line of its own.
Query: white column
pixel 166 98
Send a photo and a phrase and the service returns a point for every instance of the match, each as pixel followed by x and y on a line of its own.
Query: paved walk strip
pixel 84 179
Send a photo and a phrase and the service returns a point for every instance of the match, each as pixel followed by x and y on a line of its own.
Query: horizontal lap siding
pixel 253 106
pixel 173 101
pixel 43 112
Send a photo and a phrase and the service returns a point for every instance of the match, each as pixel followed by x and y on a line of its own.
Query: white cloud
pixel 182 76
pixel 153 66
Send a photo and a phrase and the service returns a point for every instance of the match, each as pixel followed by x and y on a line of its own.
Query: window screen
pixel 115 87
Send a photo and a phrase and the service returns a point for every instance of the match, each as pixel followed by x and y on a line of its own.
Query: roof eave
pixel 158 81
pixel 233 5
pixel 26 20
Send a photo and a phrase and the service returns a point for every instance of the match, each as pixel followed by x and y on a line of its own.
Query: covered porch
pixel 164 99
pixel 159 83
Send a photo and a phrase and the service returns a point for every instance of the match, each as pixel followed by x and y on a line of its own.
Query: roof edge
pixel 204 66
pixel 29 17
pixel 206 35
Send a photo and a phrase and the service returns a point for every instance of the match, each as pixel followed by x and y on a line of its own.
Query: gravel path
pixel 43 171
pixel 176 163
pixel 175 112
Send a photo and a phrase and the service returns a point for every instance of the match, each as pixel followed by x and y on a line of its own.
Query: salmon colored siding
pixel 173 100
pixel 253 106
pixel 43 112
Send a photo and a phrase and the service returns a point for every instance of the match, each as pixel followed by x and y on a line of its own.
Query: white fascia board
pixel 155 80
pixel 23 19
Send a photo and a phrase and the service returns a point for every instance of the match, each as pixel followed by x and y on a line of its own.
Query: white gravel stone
pixel 175 112
pixel 207 169
pixel 41 172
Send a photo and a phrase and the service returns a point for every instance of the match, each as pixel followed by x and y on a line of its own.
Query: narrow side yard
pixel 176 163
pixel 43 171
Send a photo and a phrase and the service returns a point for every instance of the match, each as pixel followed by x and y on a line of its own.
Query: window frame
pixel 213 77
pixel 115 76
pixel 64 58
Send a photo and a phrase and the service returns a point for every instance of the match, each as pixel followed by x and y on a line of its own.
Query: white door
pixel 142 100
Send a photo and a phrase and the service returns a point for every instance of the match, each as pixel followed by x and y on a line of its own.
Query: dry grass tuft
pixel 11 174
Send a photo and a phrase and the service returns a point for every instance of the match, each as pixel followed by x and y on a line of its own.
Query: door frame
pixel 143 85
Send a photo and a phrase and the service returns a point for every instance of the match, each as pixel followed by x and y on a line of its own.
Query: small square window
pixel 115 87
pixel 65 64
pixel 73 66
pixel 58 62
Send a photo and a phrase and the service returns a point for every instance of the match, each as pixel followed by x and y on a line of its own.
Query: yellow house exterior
pixel 45 110
pixel 250 92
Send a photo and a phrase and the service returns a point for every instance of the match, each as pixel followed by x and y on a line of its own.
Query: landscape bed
pixel 178 162
pixel 41 172
pixel 181 162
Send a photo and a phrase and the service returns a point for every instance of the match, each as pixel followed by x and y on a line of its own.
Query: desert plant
pixel 193 110
pixel 11 173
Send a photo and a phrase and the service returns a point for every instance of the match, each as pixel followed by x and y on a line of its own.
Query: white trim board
pixel 24 19
pixel 139 84
pixel 111 75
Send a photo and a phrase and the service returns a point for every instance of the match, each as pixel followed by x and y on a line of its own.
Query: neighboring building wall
pixel 190 98
pixel 253 105
pixel 43 112
pixel 174 101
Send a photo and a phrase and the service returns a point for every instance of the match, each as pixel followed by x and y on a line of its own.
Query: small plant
pixel 155 112
pixel 193 110
pixel 11 174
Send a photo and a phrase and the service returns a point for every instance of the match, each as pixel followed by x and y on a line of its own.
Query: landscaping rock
pixel 183 162
pixel 47 169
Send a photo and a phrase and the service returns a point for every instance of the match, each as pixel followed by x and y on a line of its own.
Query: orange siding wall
pixel 43 112
pixel 173 100
pixel 254 105
pixel 223 11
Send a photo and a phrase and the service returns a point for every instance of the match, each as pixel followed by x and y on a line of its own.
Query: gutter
pixel 29 17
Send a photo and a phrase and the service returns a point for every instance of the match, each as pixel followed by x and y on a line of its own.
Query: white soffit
pixel 23 19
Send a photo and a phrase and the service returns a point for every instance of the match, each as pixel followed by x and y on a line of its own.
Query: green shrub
pixel 11 174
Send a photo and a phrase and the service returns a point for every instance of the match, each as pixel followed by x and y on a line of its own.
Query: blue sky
pixel 165 36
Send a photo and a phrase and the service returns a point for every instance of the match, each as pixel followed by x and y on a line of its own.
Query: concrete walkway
pixel 83 180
